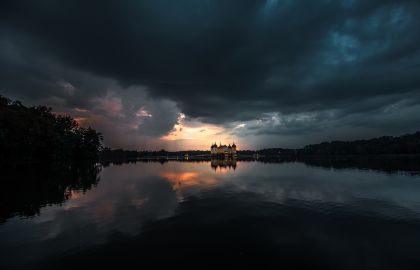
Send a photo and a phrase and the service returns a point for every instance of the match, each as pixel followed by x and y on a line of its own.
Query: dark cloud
pixel 223 62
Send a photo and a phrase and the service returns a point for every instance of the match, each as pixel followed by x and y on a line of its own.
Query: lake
pixel 312 214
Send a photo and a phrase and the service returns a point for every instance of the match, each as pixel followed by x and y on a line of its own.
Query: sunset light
pixel 244 134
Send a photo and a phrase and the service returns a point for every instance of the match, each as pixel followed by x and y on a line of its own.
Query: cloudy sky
pixel 183 74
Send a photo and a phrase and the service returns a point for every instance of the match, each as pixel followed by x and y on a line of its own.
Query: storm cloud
pixel 274 73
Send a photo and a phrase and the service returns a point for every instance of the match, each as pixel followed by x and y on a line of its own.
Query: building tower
pixel 233 149
pixel 213 149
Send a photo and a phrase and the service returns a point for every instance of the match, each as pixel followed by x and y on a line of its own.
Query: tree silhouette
pixel 35 134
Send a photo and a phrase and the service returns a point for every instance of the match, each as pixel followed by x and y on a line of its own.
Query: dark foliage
pixel 35 134
pixel 406 144
pixel 277 152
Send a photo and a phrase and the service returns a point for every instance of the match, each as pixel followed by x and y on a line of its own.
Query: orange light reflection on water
pixel 188 179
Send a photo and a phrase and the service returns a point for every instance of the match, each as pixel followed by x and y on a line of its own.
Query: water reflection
pixel 281 213
pixel 222 165
pixel 181 180
pixel 25 190
pixel 387 164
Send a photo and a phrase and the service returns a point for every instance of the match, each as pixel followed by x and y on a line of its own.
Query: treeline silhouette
pixel 44 157
pixel 405 144
pixel 387 145
pixel 36 135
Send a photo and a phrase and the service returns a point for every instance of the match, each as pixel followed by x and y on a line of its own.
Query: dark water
pixel 244 214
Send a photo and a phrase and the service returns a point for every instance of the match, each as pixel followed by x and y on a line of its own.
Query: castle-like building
pixel 223 150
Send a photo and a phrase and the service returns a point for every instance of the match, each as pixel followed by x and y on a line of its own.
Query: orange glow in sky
pixel 187 135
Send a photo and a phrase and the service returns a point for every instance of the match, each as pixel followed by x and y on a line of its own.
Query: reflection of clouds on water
pixel 130 195
pixel 288 181
pixel 182 180
pixel 126 197
pixel 280 183
pixel 124 207
pixel 296 181
pixel 187 179
pixel 187 182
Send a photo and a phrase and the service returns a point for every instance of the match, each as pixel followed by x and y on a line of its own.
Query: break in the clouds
pixel 181 74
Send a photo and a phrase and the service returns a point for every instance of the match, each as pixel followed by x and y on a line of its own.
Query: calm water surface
pixel 204 214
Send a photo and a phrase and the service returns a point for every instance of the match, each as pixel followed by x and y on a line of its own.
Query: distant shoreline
pixel 408 144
